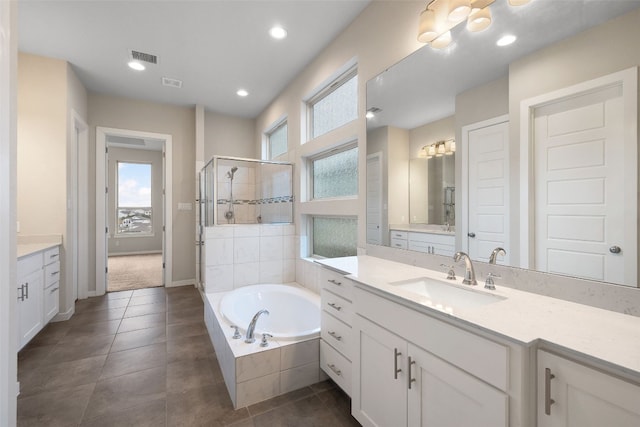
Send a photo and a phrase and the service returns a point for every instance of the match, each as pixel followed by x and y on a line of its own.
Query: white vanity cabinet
pixel 30 307
pixel 51 298
pixel 413 370
pixel 422 241
pixel 38 285
pixel 572 394
pixel 336 295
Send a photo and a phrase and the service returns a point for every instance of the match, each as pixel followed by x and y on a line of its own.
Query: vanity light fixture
pixel 440 16
pixel 438 149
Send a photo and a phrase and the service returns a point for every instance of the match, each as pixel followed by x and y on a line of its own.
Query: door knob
pixel 472 235
pixel 615 249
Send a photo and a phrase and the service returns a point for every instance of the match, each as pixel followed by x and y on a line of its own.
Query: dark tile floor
pixel 143 358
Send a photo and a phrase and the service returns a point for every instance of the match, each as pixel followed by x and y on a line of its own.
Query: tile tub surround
pixel 606 339
pixel 253 373
pixel 241 255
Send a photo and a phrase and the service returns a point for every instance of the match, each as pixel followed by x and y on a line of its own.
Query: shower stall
pixel 245 191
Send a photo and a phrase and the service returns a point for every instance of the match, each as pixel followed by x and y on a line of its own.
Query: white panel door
pixel 488 191
pixel 374 199
pixel 580 205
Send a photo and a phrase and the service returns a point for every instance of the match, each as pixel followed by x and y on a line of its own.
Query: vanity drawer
pixel 336 366
pixel 336 283
pixel 396 234
pixel 51 255
pixel 443 239
pixel 475 354
pixel 336 334
pixel 337 306
pixel 399 243
pixel 51 302
pixel 51 274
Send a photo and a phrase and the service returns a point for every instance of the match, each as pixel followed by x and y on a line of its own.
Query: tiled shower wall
pixel 241 255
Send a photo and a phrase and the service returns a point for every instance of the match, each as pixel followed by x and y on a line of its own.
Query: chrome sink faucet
pixel 470 274
pixel 252 326
pixel 494 255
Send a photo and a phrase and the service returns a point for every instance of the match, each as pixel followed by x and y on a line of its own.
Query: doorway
pixel 579 178
pixel 133 219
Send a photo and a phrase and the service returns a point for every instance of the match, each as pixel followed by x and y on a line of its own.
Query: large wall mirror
pixel 477 147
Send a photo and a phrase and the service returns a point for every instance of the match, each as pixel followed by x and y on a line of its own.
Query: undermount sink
pixel 446 297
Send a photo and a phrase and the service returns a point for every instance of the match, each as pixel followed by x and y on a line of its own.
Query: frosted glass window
pixel 334 237
pixel 335 107
pixel 134 213
pixel 277 141
pixel 336 175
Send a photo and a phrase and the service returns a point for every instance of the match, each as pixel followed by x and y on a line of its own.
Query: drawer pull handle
pixel 334 282
pixel 410 380
pixel 55 272
pixel 335 336
pixel 334 306
pixel 396 370
pixel 335 370
pixel 21 297
pixel 53 290
pixel 548 401
pixel 53 256
pixel 26 293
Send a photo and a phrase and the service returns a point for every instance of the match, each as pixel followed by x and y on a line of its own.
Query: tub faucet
pixel 497 251
pixel 470 274
pixel 252 326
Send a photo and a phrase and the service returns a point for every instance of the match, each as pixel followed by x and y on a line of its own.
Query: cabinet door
pixel 379 376
pixel 582 396
pixel 30 311
pixel 442 395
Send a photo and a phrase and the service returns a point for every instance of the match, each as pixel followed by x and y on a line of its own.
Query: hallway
pixel 143 358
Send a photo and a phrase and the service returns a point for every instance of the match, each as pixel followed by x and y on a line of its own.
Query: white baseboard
pixel 60 317
pixel 181 283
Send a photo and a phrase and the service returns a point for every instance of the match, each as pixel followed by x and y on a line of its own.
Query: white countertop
pixel 28 245
pixel 423 228
pixel 607 338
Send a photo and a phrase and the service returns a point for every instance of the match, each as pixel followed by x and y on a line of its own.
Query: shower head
pixel 232 172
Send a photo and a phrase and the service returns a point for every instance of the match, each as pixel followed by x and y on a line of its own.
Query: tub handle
pixel 335 370
pixel 335 306
pixel 335 336
pixel 264 342
pixel 236 335
pixel 335 282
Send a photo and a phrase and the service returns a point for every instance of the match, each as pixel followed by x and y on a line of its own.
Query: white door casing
pixel 485 188
pixel 101 204
pixel 374 199
pixel 78 219
pixel 579 193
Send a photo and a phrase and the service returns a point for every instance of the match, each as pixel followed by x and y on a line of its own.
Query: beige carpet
pixel 128 272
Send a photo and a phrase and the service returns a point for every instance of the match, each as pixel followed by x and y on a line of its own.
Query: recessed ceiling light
pixel 242 92
pixel 136 65
pixel 370 115
pixel 506 40
pixel 277 32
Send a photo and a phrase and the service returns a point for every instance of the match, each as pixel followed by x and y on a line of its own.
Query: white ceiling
pixel 214 46
pixel 422 88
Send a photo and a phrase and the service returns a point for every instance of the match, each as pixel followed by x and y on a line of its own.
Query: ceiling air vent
pixel 143 57
pixel 166 81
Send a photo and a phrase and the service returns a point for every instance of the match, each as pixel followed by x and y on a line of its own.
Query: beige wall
pixel 384 33
pixel 136 244
pixel 48 90
pixel 599 51
pixel 229 136
pixel 123 113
